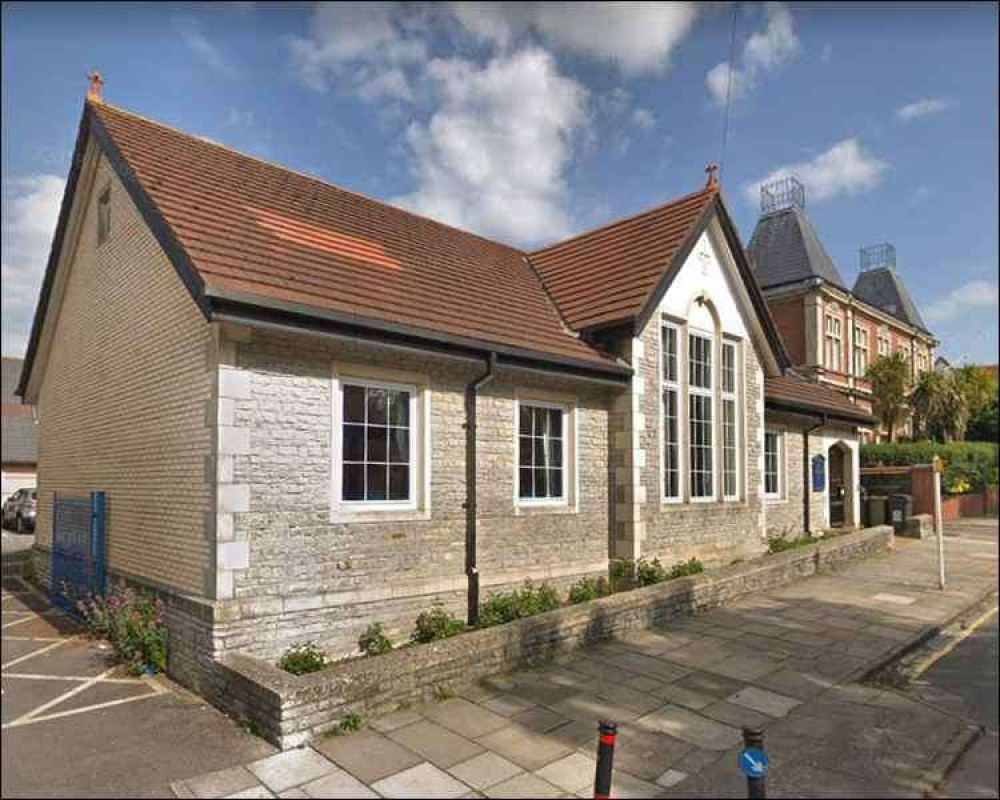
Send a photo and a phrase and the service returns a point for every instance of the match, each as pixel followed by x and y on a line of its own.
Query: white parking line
pixel 28 676
pixel 31 719
pixel 56 700
pixel 8 664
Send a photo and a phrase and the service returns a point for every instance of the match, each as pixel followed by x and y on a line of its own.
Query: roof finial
pixel 94 90
pixel 713 175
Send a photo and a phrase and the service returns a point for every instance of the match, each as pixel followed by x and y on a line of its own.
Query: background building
pixel 20 434
pixel 833 333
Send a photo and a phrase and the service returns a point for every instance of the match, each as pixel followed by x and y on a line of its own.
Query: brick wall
pixel 126 400
pixel 311 575
pixel 788 314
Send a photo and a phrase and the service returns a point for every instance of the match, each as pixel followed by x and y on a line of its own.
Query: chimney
pixel 713 176
pixel 782 193
pixel 878 256
pixel 94 90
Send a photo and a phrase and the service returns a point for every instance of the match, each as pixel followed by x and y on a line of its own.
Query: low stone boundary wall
pixel 287 710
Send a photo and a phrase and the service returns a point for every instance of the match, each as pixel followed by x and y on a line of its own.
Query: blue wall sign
pixel 819 473
pixel 753 762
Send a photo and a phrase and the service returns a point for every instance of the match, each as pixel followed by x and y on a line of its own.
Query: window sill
pixel 379 515
pixel 775 500
pixel 533 509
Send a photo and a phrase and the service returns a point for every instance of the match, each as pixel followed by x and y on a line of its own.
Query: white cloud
pixel 765 51
pixel 492 156
pixel 29 219
pixel 921 108
pixel 644 118
pixel 241 118
pixel 194 37
pixel 974 295
pixel 367 44
pixel 638 37
pixel 847 168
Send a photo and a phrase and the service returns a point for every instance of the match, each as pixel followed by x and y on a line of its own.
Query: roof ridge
pixel 304 175
pixel 621 220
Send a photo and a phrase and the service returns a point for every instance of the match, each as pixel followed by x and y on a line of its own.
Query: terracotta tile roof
pixel 606 275
pixel 252 227
pixel 793 391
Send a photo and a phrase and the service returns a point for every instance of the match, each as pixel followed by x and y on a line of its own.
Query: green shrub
pixel 973 463
pixel 28 574
pixel 621 572
pixel 349 723
pixel 373 641
pixel 525 602
pixel 690 567
pixel 132 623
pixel 303 658
pixel 778 544
pixel 436 624
pixel 587 589
pixel 649 571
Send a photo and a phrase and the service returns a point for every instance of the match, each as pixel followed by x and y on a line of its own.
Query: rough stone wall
pixel 311 575
pixel 289 710
pixel 126 400
pixel 715 532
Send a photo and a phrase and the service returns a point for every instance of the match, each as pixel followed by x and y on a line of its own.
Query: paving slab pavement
pixel 784 659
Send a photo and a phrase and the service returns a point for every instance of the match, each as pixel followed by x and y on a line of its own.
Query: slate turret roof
pixel 883 288
pixel 785 248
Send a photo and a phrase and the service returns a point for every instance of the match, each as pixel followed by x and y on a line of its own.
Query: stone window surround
pixel 718 337
pixel 569 502
pixel 781 496
pixel 418 507
pixel 833 340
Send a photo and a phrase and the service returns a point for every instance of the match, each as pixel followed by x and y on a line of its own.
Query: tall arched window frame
pixel 702 430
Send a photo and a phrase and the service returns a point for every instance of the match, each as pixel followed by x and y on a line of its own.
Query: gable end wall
pixel 126 403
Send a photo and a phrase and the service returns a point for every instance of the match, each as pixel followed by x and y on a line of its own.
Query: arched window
pixel 701 386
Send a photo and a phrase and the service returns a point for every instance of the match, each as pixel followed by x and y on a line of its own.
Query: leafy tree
pixel 977 386
pixel 925 403
pixel 890 379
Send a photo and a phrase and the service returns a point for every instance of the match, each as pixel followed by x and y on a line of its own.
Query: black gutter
pixel 806 476
pixel 254 309
pixel 471 539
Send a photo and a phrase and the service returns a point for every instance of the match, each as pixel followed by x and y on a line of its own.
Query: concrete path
pixel 786 659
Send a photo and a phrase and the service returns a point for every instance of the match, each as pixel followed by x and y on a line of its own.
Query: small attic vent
pixel 877 256
pixel 782 193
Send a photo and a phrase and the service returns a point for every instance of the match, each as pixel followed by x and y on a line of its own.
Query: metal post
pixel 605 758
pixel 938 524
pixel 753 739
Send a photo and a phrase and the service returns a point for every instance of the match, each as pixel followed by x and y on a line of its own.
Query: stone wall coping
pixel 293 690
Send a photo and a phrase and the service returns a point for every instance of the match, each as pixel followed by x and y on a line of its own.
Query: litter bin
pixel 900 509
pixel 877 509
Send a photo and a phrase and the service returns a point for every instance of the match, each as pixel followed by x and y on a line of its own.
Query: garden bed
pixel 288 709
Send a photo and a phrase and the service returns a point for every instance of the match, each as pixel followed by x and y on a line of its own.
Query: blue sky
pixel 527 122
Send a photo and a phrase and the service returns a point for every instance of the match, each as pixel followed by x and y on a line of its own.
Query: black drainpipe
pixel 806 473
pixel 471 569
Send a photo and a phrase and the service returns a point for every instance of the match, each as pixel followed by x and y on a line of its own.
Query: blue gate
pixel 78 547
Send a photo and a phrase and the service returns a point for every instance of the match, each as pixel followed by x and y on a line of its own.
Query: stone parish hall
pixel 309 410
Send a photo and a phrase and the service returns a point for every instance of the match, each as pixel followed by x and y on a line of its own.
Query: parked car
pixel 19 511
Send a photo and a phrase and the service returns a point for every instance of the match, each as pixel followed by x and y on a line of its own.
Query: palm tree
pixel 890 380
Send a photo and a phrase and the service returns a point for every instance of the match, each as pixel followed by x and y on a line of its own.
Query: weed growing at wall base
pixel 132 623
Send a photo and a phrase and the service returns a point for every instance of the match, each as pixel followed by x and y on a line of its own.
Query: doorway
pixel 838 484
